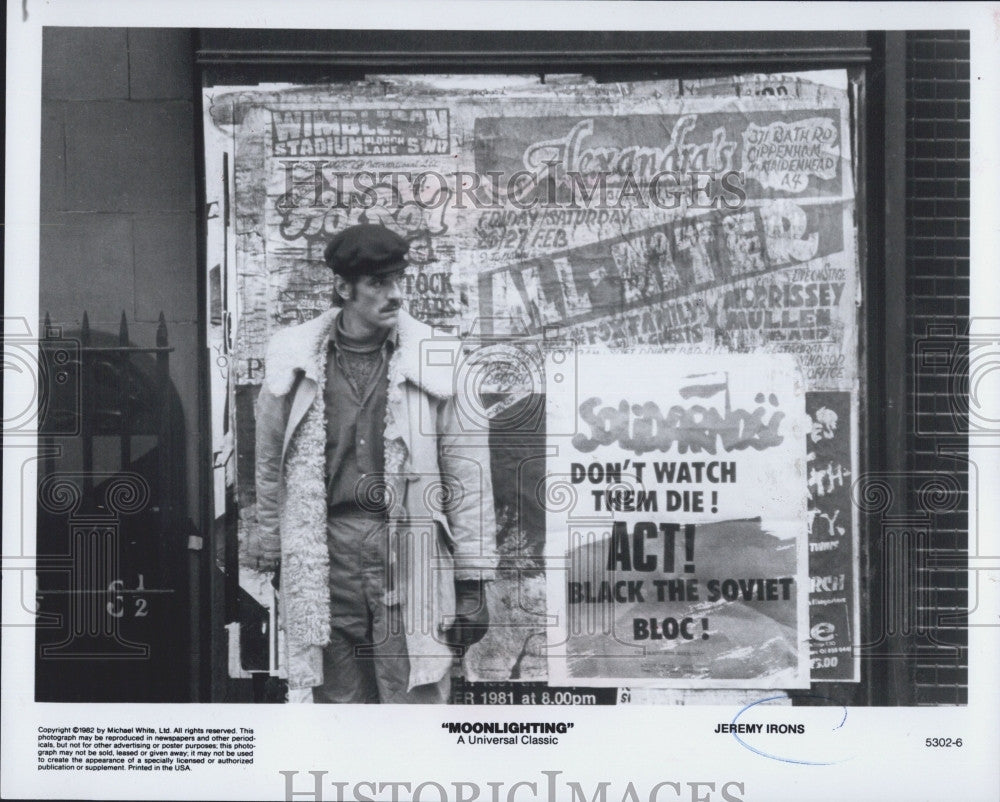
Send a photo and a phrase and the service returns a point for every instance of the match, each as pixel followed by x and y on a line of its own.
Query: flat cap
pixel 367 249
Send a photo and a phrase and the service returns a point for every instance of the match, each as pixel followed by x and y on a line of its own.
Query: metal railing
pixel 111 546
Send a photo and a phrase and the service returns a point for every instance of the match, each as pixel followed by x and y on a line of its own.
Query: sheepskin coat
pixel 437 481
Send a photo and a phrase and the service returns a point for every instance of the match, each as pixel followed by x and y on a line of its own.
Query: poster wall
pixel 630 237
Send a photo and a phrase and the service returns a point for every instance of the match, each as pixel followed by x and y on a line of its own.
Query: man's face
pixel 374 301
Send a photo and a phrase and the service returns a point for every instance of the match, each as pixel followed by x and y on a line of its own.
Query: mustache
pixel 392 307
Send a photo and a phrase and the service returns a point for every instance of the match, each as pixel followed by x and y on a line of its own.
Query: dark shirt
pixel 355 395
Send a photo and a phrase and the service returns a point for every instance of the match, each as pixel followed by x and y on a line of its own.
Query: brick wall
pixel 937 284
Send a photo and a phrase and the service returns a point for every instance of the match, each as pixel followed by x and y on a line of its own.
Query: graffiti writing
pixel 643 427
pixel 317 203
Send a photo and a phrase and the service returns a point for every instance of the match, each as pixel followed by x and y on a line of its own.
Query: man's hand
pixel 253 558
pixel 260 553
pixel 472 616
pixel 268 565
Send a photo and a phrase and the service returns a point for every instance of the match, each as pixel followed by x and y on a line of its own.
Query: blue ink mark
pixel 760 752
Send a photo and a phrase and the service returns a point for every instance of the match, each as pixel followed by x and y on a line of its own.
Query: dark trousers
pixel 366 660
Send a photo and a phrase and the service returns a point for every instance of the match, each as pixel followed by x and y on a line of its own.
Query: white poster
pixel 677 556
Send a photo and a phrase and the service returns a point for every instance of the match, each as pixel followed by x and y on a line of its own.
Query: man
pixel 372 498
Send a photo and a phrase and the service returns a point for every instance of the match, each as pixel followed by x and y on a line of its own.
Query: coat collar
pixel 302 348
